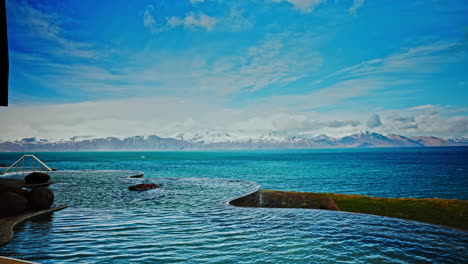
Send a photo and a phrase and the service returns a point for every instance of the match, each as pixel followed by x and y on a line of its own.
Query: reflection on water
pixel 187 220
pixel 43 219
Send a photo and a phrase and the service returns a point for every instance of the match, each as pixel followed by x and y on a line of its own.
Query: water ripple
pixel 188 221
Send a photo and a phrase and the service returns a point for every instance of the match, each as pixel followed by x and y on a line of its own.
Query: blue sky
pixel 123 68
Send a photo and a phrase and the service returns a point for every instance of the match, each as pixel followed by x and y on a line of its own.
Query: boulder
pixel 40 198
pixel 143 187
pixel 329 204
pixel 12 203
pixel 37 177
pixel 15 189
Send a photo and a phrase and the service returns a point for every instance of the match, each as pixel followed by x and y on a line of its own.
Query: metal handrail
pixel 22 159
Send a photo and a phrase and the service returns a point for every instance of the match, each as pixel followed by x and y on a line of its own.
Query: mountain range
pixel 228 141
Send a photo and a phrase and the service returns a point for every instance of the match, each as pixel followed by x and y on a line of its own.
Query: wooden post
pixel 4 55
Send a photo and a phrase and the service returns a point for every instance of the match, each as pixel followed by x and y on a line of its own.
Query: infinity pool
pixel 188 220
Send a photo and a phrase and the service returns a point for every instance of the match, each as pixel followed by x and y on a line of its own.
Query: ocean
pixel 189 221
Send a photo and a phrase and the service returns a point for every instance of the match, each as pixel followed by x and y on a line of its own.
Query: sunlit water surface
pixel 189 221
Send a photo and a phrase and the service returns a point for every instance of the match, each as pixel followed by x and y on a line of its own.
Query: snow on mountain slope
pixel 208 137
pixel 207 140
pixel 460 140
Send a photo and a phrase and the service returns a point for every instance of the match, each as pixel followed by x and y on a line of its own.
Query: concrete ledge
pixel 8 223
pixel 451 213
pixel 6 260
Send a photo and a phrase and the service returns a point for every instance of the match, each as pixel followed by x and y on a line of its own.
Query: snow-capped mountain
pixel 325 139
pixel 455 139
pixel 404 141
pixel 212 140
pixel 366 139
pixel 433 141
pixel 239 136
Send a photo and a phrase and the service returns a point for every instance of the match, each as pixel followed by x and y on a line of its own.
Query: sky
pixel 301 67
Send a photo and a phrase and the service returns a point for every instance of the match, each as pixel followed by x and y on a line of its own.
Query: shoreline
pixel 450 213
pixel 7 224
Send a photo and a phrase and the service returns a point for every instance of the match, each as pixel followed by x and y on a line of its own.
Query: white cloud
pixel 47 26
pixel 356 5
pixel 370 76
pixel 279 59
pixel 330 95
pixel 105 118
pixel 148 19
pixel 58 60
pixel 304 6
pixel 403 67
pixel 300 123
pixel 276 60
pixel 308 6
pixel 374 122
pixel 166 116
pixel 423 59
pixel 193 20
pixel 236 20
pixel 424 121
pixel 68 79
pixel 423 107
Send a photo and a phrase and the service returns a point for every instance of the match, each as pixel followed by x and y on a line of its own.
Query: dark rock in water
pixel 40 198
pixel 137 176
pixel 15 189
pixel 37 177
pixel 12 203
pixel 143 187
pixel 329 204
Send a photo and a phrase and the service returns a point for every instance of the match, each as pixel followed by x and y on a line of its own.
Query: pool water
pixel 189 221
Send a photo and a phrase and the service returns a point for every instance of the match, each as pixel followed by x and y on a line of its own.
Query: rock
pixel 12 203
pixel 37 177
pixel 329 204
pixel 143 187
pixel 15 189
pixel 40 198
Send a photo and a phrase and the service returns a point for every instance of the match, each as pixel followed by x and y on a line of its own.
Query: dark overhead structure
pixel 4 55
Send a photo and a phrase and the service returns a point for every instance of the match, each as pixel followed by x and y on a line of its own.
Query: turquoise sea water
pixel 188 221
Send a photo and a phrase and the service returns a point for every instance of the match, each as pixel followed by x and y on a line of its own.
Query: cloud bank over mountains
pixel 167 117
pixel 165 67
